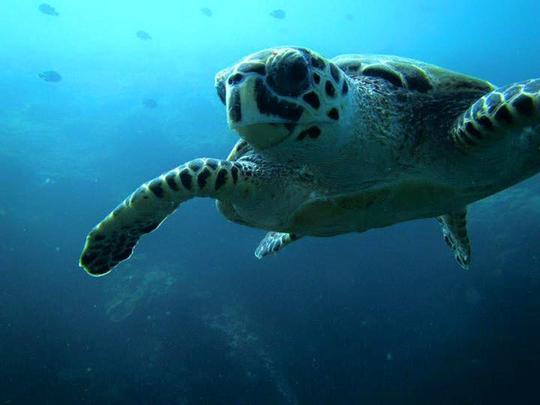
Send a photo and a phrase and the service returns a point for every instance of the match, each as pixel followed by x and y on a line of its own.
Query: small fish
pixel 150 103
pixel 279 14
pixel 143 35
pixel 207 12
pixel 50 76
pixel 48 9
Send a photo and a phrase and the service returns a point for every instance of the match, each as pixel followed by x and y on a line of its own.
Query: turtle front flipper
pixel 113 239
pixel 274 242
pixel 454 228
pixel 509 110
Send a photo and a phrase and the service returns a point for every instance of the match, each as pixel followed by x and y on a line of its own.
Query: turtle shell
pixel 409 74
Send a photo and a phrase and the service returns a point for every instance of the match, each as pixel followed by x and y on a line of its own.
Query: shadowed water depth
pixel 99 96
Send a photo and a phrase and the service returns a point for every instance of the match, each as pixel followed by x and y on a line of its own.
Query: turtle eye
pixel 235 79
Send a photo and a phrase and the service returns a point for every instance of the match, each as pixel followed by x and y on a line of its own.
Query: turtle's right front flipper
pixel 507 111
pixel 113 239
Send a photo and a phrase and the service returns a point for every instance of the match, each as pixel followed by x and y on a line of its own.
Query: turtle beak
pixel 249 101
pixel 240 96
pixel 263 136
pixel 244 116
pixel 237 92
pixel 220 84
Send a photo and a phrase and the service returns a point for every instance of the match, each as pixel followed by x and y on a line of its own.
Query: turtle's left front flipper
pixel 113 239
pixel 509 111
pixel 454 228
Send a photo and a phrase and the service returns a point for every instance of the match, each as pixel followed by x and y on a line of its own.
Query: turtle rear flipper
pixel 113 239
pixel 274 242
pixel 500 113
pixel 454 228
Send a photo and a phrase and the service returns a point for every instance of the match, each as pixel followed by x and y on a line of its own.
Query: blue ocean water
pixel 381 317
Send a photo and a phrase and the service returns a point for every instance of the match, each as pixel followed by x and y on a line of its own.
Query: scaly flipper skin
pixel 498 113
pixel 274 242
pixel 113 239
pixel 239 149
pixel 454 228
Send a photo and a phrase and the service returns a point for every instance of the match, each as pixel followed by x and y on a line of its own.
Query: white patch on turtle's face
pixel 280 93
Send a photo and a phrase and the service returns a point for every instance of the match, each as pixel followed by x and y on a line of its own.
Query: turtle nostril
pixel 288 73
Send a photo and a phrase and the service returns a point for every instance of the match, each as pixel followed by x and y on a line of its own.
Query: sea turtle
pixel 343 145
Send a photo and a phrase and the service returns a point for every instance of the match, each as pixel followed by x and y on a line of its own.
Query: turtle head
pixel 283 93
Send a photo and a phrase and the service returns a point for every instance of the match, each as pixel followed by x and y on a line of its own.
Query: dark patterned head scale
pixel 288 73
